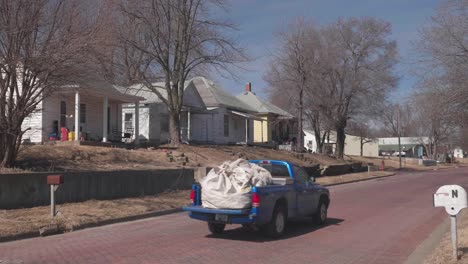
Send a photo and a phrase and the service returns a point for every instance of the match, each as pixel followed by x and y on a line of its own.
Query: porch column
pixel 188 125
pixel 262 130
pixel 137 123
pixel 105 119
pixel 246 131
pixel 77 116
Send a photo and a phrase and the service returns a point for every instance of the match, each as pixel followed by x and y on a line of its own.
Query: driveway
pixel 378 221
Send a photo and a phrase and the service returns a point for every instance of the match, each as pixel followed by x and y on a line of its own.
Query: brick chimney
pixel 248 87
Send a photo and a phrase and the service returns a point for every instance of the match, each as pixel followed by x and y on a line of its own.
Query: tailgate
pixel 200 209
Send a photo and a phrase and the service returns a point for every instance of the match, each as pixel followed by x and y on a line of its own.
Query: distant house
pixel 93 108
pixel 209 115
pixel 275 124
pixel 310 143
pixel 352 144
pixel 411 146
pixel 458 153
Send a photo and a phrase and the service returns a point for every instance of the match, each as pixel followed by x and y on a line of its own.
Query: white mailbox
pixel 452 197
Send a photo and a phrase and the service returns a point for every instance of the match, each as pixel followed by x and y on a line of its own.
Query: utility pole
pixel 399 134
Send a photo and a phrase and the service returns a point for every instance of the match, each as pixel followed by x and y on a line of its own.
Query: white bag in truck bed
pixel 228 186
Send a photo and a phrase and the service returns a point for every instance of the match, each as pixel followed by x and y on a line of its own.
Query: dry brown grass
pixel 443 253
pixel 352 177
pixel 72 215
pixel 70 157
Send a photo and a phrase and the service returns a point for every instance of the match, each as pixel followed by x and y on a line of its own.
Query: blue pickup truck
pixel 293 194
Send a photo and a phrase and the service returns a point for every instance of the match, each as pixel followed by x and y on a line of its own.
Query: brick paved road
pixel 380 221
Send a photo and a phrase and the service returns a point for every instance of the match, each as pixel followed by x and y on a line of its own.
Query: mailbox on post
pixel 454 199
pixel 54 181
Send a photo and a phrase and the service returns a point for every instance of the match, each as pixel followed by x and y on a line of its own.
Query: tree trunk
pixel 362 146
pixel 10 151
pixel 300 143
pixel 319 141
pixel 340 141
pixel 174 129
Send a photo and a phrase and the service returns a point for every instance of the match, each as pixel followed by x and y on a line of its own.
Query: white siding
pixel 202 127
pixel 144 111
pixel 353 147
pixel 34 125
pixel 309 141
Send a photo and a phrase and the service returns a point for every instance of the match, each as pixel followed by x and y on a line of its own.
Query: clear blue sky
pixel 258 20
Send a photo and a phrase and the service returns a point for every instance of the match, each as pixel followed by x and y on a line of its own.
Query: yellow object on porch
pixel 71 136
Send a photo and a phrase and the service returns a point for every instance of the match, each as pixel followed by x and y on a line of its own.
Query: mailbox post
pixel 54 181
pixel 454 199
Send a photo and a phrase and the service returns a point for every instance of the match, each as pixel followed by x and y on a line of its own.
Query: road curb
pixel 360 180
pixel 33 234
pixel 429 244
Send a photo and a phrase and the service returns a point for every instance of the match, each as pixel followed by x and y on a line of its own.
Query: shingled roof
pixel 214 96
pixel 211 94
pixel 260 105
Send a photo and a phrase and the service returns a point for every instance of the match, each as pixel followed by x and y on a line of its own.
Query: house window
pixel 82 113
pixel 164 122
pixel 128 121
pixel 63 114
pixel 226 125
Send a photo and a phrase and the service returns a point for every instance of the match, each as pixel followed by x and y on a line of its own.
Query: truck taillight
pixel 255 200
pixel 192 196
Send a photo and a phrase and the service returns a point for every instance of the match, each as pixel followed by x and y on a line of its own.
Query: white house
pixel 95 107
pixel 310 144
pixel 352 144
pixel 458 153
pixel 209 115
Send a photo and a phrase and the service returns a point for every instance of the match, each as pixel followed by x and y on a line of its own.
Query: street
pixel 376 221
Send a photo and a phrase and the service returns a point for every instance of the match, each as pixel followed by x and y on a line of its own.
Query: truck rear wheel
pixel 320 217
pixel 216 228
pixel 275 228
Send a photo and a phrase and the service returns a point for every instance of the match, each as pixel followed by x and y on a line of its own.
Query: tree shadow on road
pixel 294 228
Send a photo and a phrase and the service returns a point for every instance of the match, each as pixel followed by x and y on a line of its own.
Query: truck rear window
pixel 276 170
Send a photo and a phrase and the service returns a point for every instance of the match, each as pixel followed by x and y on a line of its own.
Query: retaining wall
pixel 31 189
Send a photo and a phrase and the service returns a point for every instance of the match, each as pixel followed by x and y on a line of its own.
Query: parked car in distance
pixel 397 154
pixel 293 194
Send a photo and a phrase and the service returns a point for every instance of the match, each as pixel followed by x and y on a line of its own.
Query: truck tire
pixel 275 228
pixel 320 217
pixel 216 228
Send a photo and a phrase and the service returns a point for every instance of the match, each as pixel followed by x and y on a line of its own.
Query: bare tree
pixel 436 116
pixel 169 41
pixel 290 70
pixel 347 67
pixel 42 46
pixel 392 124
pixel 443 50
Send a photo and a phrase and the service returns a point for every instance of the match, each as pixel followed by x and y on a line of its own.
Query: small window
pixel 128 117
pixel 226 125
pixel 164 123
pixel 128 121
pixel 276 170
pixel 82 113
